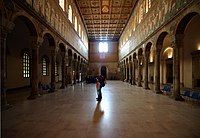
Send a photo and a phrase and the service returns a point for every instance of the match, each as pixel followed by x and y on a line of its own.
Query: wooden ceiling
pixel 105 19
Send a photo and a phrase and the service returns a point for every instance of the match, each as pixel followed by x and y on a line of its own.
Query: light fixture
pixel 198 46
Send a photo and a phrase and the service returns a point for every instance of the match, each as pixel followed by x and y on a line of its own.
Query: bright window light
pixel 62 4
pixel 103 47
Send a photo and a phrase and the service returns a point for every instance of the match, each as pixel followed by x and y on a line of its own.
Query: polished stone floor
pixel 126 111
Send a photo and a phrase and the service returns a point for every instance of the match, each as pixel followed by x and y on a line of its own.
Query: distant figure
pixel 98 88
pixel 102 80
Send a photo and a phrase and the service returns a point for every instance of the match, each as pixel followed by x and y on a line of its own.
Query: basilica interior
pixel 147 50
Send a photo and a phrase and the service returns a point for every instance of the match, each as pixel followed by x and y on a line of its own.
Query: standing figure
pixel 98 88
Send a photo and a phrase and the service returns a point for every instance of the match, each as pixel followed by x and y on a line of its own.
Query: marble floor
pixel 126 111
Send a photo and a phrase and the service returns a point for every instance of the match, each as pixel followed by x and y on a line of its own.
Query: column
pixel 69 70
pixel 63 70
pixel 35 70
pixel 78 71
pixel 133 77
pixel 124 72
pixel 53 75
pixel 75 70
pixel 146 70
pixel 130 72
pixel 139 71
pixel 176 66
pixel 157 71
pixel 127 72
pixel 5 28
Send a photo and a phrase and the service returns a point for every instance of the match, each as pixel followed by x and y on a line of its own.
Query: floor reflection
pixel 98 113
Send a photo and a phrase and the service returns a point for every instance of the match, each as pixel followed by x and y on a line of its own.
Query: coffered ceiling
pixel 105 19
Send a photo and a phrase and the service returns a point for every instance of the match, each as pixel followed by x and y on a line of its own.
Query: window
pixel 56 69
pixel 149 4
pixel 62 4
pixel 70 13
pixel 75 23
pixel 141 13
pixel 44 66
pixel 103 47
pixel 26 65
pixel 79 27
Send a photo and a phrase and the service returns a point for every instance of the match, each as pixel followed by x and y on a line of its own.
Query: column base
pixel 51 90
pixel 5 107
pixel 159 92
pixel 32 97
pixel 139 85
pixel 147 88
pixel 179 98
pixel 62 87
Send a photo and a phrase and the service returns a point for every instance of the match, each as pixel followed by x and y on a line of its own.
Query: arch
pixel 50 39
pixel 148 47
pixel 126 60
pixel 134 55
pixel 184 22
pixel 62 47
pixel 130 58
pixel 30 24
pixel 160 39
pixel 140 52
pixel 78 58
pixel 69 52
pixel 104 71
pixel 75 56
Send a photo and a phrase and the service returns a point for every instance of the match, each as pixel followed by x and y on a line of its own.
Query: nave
pixel 126 111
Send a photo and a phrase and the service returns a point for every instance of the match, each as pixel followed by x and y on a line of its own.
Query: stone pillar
pixel 75 70
pixel 53 75
pixel 130 72
pixel 157 71
pixel 176 66
pixel 69 70
pixel 146 70
pixel 139 71
pixel 35 70
pixel 133 75
pixel 124 72
pixel 78 71
pixel 63 70
pixel 6 27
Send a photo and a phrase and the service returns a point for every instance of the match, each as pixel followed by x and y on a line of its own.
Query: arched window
pixel 62 4
pixel 70 13
pixel 79 28
pixel 26 65
pixel 141 13
pixel 75 23
pixel 45 66
pixel 56 69
pixel 149 4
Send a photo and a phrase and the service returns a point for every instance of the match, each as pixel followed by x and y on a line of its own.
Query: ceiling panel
pixel 105 19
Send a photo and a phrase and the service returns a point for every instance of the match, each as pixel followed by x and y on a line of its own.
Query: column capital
pixel 176 39
pixel 36 43
pixel 6 27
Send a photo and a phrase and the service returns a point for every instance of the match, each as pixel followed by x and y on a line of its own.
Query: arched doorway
pixel 104 71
